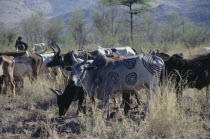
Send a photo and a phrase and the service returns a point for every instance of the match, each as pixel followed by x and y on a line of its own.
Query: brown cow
pixel 26 63
pixel 193 72
pixel 7 64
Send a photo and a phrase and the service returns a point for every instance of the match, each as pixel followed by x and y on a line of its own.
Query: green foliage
pixel 107 23
pixel 54 28
pixel 77 28
pixel 143 6
pixel 33 28
pixel 171 31
pixel 7 37
pixel 149 29
pixel 195 35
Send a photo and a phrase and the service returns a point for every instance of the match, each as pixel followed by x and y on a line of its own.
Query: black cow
pixel 70 94
pixel 193 72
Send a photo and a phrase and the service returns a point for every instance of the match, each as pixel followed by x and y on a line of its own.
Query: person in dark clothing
pixel 20 45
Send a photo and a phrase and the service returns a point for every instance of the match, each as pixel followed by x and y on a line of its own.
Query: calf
pixel 6 72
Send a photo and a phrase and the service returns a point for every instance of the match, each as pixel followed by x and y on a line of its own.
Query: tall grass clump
pixel 169 119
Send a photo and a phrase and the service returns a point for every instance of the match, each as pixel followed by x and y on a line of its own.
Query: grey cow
pixel 105 76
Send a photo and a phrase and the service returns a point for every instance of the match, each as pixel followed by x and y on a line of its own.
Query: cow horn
pixel 142 51
pixel 86 58
pixel 74 59
pixel 59 49
pixel 42 51
pixel 81 50
pixel 64 75
pixel 57 92
pixel 53 49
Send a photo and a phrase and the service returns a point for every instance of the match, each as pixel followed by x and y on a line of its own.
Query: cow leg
pixel 106 105
pixel 148 91
pixel 207 94
pixel 137 98
pixel 126 101
pixel 6 81
pixel 148 100
pixel 1 85
pixel 12 85
pixel 81 100
pixel 93 100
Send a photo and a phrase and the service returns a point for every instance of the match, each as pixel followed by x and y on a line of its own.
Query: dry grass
pixel 33 113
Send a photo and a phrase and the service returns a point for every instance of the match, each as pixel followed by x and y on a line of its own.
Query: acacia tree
pixel 107 22
pixel 54 28
pixel 77 28
pixel 33 27
pixel 7 35
pixel 143 6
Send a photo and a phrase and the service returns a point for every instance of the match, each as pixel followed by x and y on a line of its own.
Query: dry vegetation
pixel 33 113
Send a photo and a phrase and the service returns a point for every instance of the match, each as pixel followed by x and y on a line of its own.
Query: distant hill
pixel 12 11
pixel 197 11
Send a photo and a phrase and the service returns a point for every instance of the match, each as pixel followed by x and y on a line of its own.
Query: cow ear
pixel 69 68
pixel 90 68
pixel 56 91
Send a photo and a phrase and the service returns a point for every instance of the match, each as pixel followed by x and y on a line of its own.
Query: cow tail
pixel 134 50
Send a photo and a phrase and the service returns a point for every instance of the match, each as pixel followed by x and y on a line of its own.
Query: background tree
pixel 193 35
pixel 149 29
pixel 7 35
pixel 32 28
pixel 143 6
pixel 77 28
pixel 107 22
pixel 54 29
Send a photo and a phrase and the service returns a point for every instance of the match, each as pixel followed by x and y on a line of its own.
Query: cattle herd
pixel 102 72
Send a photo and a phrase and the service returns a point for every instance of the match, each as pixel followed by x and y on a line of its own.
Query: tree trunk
pixel 131 24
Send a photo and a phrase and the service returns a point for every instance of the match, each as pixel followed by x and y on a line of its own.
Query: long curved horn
pixel 57 92
pixel 86 58
pixel 64 75
pixel 142 51
pixel 53 49
pixel 59 49
pixel 158 51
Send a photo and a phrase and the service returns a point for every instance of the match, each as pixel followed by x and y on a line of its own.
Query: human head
pixel 19 38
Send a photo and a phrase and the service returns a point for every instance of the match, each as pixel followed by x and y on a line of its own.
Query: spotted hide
pixel 105 76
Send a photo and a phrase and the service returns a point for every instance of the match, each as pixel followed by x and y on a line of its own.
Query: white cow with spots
pixel 105 76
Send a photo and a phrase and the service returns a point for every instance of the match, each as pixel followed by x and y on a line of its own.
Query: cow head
pixel 68 59
pixel 62 100
pixel 165 56
pixel 57 59
pixel 78 70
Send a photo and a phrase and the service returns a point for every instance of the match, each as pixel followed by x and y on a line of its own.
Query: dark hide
pixel 192 73
pixel 56 61
pixel 113 49
pixel 70 94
